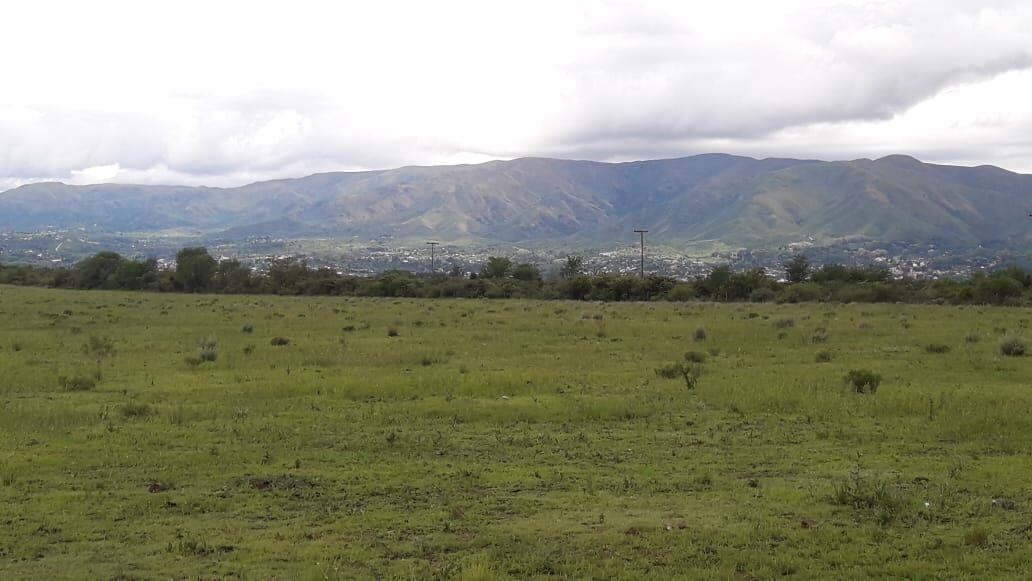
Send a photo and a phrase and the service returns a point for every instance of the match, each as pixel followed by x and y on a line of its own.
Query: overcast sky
pixel 224 93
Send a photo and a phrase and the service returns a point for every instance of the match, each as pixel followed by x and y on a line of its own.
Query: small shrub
pixel 699 334
pixel 819 335
pixel 208 349
pixel 937 348
pixel 863 381
pixel 784 323
pixel 1012 347
pixel 248 349
pixel 972 337
pixel 247 328
pixel 823 356
pixel 279 341
pixel 392 331
pixel 77 383
pixel 689 371
pixel 695 357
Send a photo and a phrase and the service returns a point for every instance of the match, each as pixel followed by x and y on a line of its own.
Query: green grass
pixel 508 439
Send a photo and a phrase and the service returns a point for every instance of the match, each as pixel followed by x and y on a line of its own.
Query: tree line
pixel 197 271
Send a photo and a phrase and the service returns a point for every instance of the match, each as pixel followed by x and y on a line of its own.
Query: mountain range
pixel 737 201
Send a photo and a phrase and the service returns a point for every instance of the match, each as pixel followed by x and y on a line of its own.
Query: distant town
pixel 918 261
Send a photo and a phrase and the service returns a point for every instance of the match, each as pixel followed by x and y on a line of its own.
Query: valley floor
pixel 378 438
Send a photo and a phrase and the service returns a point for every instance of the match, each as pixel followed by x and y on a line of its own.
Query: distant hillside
pixel 736 200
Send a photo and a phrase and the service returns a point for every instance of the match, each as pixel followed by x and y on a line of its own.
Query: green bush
pixel 247 328
pixel 819 335
pixel 937 348
pixel 784 323
pixel 699 334
pixel 1012 347
pixel 863 381
pixel 823 356
pixel 279 341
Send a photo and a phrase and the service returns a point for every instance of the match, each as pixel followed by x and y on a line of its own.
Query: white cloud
pixel 229 92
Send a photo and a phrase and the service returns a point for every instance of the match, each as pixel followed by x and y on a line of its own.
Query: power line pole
pixel 432 245
pixel 642 234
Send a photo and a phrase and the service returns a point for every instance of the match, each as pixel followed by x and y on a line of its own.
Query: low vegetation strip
pixel 147 435
pixel 197 272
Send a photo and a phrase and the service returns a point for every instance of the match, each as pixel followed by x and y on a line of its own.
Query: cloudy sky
pixel 224 93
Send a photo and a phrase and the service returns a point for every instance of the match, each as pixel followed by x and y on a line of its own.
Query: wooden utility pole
pixel 432 245
pixel 642 233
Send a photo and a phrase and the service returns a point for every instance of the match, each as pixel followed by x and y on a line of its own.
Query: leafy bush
pixel 937 348
pixel 784 323
pixel 972 337
pixel 279 341
pixel 823 356
pixel 247 328
pixel 699 334
pixel 1012 347
pixel 863 381
pixel 392 331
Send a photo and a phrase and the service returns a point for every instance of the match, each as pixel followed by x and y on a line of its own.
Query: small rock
pixel 669 527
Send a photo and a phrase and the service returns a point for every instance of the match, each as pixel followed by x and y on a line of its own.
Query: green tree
pixel 496 267
pixel 98 271
pixel 574 266
pixel 195 269
pixel 797 269
pixel 526 272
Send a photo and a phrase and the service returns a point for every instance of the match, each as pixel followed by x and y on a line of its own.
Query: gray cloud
pixel 609 81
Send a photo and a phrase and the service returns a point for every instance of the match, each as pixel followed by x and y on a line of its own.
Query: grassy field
pixel 468 439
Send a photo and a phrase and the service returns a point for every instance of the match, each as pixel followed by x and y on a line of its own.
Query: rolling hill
pixel 739 201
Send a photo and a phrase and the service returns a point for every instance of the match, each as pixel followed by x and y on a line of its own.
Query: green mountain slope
pixel 735 200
